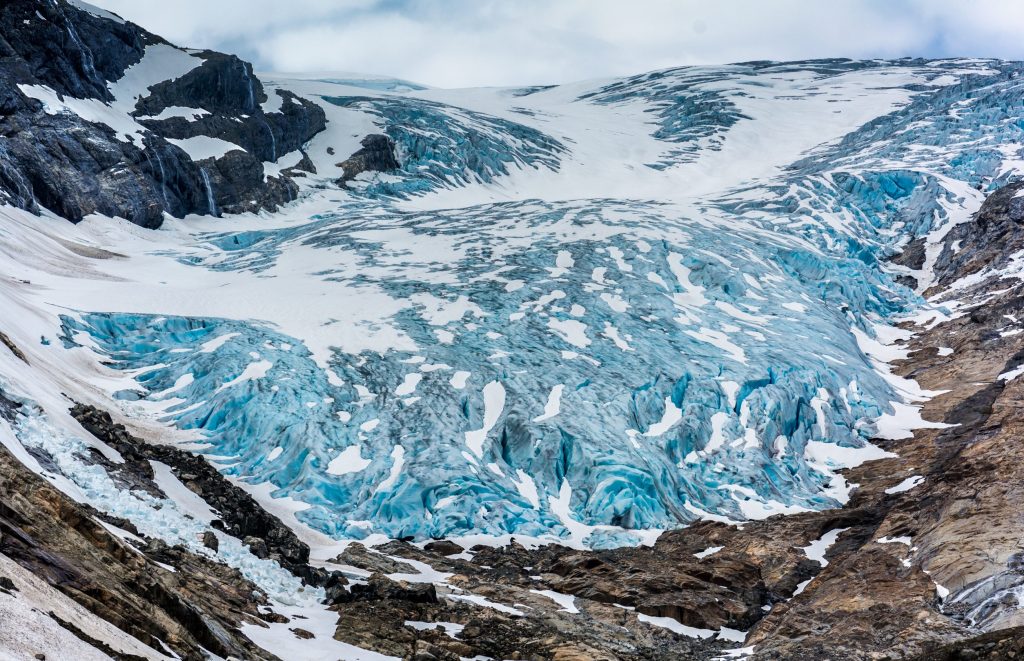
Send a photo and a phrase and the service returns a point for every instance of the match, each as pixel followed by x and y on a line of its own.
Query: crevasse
pixel 702 353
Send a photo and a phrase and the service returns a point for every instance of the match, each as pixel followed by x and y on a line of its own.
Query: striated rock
pixel 58 540
pixel 359 556
pixel 377 155
pixel 987 242
pixel 222 84
pixel 241 516
pixel 66 48
pixel 1003 644
pixel 75 167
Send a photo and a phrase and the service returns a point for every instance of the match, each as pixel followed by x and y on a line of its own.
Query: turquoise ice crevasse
pixel 444 146
pixel 695 352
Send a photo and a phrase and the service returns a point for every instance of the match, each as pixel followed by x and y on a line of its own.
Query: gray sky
pixel 458 43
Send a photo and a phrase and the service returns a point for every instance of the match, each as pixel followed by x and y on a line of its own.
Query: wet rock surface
pixel 230 92
pixel 74 167
pixel 70 50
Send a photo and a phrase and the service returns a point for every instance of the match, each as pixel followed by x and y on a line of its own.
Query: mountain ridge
pixel 656 367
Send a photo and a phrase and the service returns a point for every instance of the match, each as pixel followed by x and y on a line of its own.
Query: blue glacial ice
pixel 598 362
pixel 678 370
pixel 446 146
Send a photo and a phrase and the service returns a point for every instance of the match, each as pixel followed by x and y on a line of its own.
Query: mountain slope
pixel 626 323
pixel 100 116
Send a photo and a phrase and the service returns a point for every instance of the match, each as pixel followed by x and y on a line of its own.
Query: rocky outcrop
pixel 12 347
pixel 237 185
pixel 72 51
pixel 230 92
pixel 988 242
pixel 195 607
pixel 75 167
pixel 377 155
pixel 241 515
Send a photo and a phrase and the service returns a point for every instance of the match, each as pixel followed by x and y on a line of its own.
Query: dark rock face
pixel 913 257
pixel 222 84
pixel 74 167
pixel 986 242
pixel 197 608
pixel 241 516
pixel 377 155
pixel 226 87
pixel 237 185
pixel 378 587
pixel 69 50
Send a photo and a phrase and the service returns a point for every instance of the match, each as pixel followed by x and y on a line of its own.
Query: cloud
pixel 452 43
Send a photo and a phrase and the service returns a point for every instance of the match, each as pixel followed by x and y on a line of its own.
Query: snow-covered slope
pixel 586 312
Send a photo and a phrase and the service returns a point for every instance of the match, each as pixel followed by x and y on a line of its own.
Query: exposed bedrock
pixel 230 92
pixel 53 43
pixel 72 166
pixel 195 607
pixel 241 515
pixel 990 241
pixel 377 155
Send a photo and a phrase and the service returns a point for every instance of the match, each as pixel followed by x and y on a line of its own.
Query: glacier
pixel 586 312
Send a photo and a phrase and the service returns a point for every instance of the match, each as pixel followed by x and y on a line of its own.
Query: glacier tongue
pixel 465 450
pixel 457 349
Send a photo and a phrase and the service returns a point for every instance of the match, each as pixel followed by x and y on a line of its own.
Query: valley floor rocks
pixel 196 606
